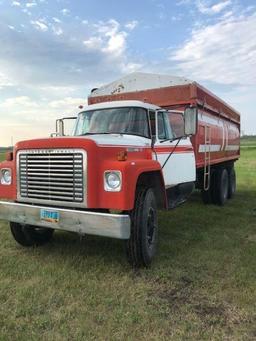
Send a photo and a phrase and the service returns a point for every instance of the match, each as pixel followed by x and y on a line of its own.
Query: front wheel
pixel 142 245
pixel 27 235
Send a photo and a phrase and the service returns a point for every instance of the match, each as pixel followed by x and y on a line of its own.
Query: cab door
pixel 174 151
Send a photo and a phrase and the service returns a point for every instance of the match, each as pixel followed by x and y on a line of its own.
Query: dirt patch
pixel 251 238
pixel 180 294
pixel 176 296
pixel 184 298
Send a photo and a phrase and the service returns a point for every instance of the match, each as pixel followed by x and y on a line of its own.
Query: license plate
pixel 49 216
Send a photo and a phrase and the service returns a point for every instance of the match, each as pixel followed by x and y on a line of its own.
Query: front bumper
pixel 82 222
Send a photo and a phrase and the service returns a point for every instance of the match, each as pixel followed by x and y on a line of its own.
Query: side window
pixel 162 133
pixel 152 118
pixel 164 127
pixel 176 121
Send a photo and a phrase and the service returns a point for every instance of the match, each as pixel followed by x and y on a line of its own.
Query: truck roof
pixel 164 91
pixel 121 104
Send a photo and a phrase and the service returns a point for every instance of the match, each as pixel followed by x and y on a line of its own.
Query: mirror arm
pixel 59 126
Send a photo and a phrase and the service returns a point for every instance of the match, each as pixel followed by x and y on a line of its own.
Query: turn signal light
pixel 122 156
pixel 9 156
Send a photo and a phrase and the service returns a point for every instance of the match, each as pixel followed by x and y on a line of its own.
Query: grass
pixel 201 286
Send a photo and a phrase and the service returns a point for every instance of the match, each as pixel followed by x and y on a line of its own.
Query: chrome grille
pixel 51 175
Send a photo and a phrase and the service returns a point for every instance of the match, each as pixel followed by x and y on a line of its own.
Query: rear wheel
pixel 142 245
pixel 27 235
pixel 208 196
pixel 231 182
pixel 221 187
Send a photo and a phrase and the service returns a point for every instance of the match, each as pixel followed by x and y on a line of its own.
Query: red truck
pixel 143 143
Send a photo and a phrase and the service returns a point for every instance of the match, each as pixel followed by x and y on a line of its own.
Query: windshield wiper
pixel 114 133
pixel 171 140
pixel 133 134
pixel 104 133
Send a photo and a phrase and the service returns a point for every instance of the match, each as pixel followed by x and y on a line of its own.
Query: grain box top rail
pixel 164 91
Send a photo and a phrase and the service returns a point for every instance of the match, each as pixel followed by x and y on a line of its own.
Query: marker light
pixel 122 156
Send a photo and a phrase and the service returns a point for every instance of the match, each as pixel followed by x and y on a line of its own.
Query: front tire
pixel 142 245
pixel 27 235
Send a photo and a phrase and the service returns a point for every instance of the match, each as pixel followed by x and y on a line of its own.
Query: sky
pixel 52 53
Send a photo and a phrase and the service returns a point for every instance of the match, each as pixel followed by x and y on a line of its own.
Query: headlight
pixel 6 176
pixel 112 181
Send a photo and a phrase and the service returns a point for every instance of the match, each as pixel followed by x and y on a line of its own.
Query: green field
pixel 202 285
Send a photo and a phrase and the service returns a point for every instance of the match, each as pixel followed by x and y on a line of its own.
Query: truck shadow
pixel 90 250
pixel 181 230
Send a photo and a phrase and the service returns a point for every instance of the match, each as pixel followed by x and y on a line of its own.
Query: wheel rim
pixel 151 227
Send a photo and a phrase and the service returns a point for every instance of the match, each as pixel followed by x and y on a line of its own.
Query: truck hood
pixel 113 140
pixel 119 140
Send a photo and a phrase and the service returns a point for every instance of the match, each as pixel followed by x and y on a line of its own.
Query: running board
pixel 179 194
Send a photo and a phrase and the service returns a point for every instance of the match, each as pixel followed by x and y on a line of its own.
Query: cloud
pixel 224 52
pixel 56 20
pixel 16 3
pixel 131 25
pixel 204 7
pixel 30 4
pixel 65 11
pixel 116 39
pixel 52 66
pixel 94 43
pixel 5 81
pixel 26 118
pixel 109 39
pixel 92 54
pixel 57 30
pixel 18 102
pixel 223 57
pixel 220 6
pixel 67 104
pixel 25 10
pixel 39 25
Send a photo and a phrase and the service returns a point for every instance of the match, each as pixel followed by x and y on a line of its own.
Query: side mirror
pixel 190 118
pixel 60 127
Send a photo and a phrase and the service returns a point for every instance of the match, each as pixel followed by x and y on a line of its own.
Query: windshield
pixel 132 121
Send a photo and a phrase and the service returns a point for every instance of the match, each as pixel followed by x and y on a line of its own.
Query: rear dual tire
pixel 232 182
pixel 27 235
pixel 222 186
pixel 220 195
